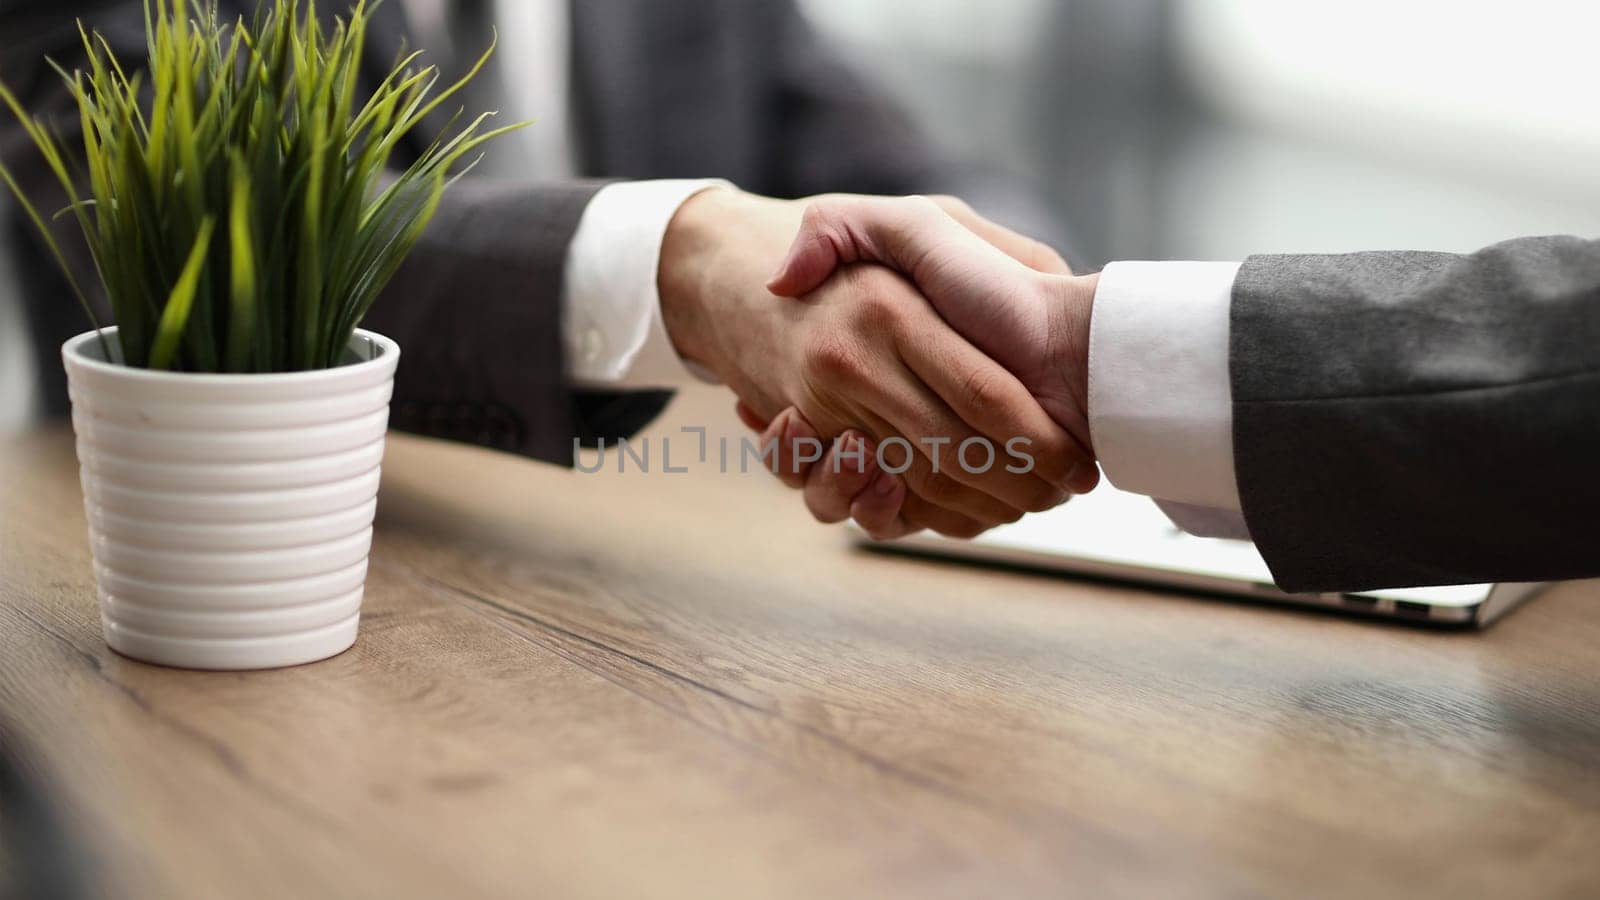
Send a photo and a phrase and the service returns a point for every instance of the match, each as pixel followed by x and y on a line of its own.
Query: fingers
pixel 796 447
pixel 1035 254
pixel 991 400
pixel 962 414
pixel 922 514
pixel 966 470
pixel 848 482
pixel 848 468
pixel 920 440
pixel 910 234
pixel 877 509
pixel 960 264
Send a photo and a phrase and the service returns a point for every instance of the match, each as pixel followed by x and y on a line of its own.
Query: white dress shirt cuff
pixel 1203 521
pixel 611 323
pixel 1160 400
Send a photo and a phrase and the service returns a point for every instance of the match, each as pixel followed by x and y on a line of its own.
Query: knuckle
pixel 877 301
pixel 983 388
pixel 832 358
pixel 877 311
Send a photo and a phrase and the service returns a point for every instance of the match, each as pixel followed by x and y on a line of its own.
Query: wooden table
pixel 575 685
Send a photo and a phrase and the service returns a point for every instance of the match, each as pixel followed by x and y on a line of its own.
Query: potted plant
pixel 238 204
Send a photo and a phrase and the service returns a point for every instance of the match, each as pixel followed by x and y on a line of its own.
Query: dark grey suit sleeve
pixel 1420 418
pixel 477 312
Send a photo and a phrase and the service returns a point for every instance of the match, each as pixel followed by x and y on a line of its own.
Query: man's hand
pixel 1034 323
pixel 846 483
pixel 1011 332
pixel 863 351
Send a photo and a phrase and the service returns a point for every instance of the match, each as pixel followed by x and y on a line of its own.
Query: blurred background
pixel 1213 129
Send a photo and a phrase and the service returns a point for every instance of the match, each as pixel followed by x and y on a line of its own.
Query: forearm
pixel 560 338
pixel 1381 419
pixel 1439 412
pixel 715 260
pixel 476 309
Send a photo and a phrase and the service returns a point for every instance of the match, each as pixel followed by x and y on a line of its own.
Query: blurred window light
pixel 16 352
pixel 957 29
pixel 1489 84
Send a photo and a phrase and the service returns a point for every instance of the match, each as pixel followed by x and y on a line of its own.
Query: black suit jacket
pixel 737 89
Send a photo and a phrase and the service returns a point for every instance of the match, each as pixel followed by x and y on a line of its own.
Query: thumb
pixel 812 256
pixel 903 233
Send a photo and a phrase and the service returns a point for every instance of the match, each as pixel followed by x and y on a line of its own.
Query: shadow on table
pixel 36 857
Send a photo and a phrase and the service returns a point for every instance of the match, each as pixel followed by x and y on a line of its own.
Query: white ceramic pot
pixel 230 516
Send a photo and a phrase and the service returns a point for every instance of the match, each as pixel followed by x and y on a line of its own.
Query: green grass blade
pixel 236 196
pixel 241 246
pixel 175 314
pixel 40 225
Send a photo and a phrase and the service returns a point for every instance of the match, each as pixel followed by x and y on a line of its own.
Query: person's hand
pixel 838 486
pixel 831 487
pixel 846 482
pixel 1035 323
pixel 864 351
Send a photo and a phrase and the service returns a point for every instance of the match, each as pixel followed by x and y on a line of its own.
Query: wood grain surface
pixel 676 685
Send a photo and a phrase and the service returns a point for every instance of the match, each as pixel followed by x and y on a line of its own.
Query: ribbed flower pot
pixel 230 516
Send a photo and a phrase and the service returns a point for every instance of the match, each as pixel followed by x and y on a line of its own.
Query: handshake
pixel 915 365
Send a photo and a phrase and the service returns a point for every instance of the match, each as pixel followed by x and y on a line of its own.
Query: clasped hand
pixel 935 360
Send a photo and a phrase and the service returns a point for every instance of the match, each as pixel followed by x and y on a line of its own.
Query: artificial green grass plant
pixel 235 196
